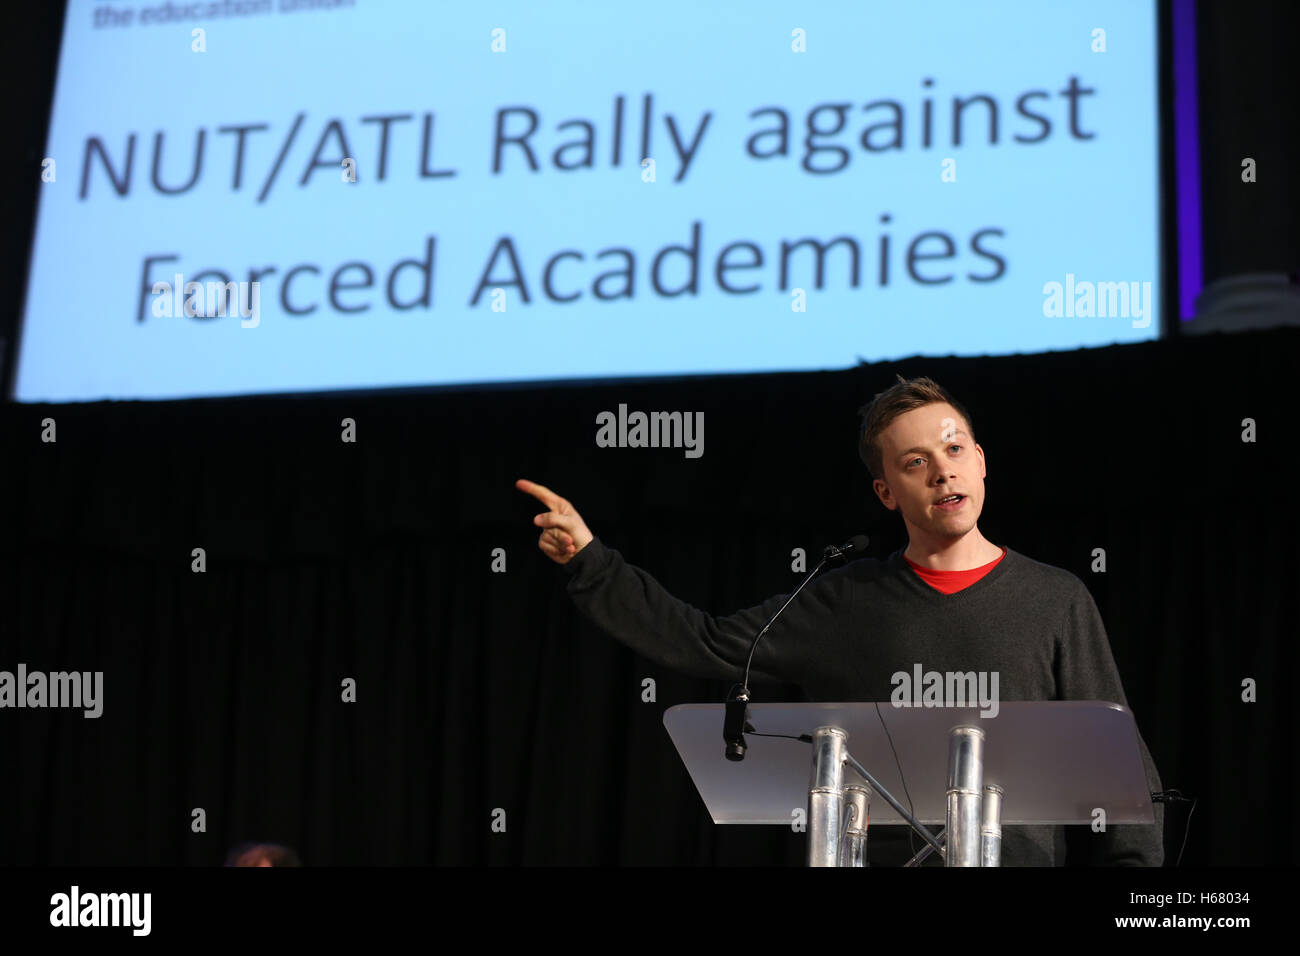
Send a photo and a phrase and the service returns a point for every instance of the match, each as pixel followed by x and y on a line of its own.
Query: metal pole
pixel 926 851
pixel 857 800
pixel 965 783
pixel 877 789
pixel 991 827
pixel 826 796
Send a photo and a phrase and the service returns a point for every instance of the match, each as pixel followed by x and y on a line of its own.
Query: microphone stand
pixel 736 718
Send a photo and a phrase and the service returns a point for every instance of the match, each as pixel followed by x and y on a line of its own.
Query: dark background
pixel 478 691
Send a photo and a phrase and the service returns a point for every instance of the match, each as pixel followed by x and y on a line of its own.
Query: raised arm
pixel 629 604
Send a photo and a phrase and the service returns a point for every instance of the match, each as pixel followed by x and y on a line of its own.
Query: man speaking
pixel 950 601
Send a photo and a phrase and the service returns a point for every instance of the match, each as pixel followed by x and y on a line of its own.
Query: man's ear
pixel 881 488
pixel 984 471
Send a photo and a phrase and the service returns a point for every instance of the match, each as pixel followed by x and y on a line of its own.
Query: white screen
pixel 416 272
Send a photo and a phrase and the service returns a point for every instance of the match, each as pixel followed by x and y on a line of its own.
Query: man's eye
pixel 954 446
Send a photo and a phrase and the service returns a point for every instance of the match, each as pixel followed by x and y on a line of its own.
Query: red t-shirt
pixel 950 582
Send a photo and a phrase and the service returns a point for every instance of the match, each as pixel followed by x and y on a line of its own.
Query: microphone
pixel 736 718
pixel 853 547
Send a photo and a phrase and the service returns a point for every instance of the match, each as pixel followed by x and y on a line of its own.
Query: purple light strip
pixel 1187 157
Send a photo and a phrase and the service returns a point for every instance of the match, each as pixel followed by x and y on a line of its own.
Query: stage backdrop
pixel 476 690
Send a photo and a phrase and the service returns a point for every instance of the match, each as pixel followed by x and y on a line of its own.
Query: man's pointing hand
pixel 565 533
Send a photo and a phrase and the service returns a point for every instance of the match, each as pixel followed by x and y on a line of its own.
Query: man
pixel 951 601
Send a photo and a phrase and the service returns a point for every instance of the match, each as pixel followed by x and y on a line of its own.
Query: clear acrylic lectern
pixel 1033 762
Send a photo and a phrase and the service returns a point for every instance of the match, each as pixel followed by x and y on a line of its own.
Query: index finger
pixel 543 494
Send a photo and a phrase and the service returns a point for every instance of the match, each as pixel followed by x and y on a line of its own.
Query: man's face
pixel 929 454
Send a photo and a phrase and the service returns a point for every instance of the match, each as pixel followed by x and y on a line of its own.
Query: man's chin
pixel 941 528
pixel 949 530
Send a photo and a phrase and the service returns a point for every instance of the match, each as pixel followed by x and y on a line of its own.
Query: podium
pixel 1032 762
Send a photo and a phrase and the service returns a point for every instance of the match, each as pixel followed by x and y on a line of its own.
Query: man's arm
pixel 629 604
pixel 1085 670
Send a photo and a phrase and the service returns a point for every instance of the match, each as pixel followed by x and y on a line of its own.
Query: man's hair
pixel 896 400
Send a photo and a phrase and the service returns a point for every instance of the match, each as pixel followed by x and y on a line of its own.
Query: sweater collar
pixel 899 565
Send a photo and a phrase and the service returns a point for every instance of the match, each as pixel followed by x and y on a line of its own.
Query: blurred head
pixel 262 854
pixel 918 444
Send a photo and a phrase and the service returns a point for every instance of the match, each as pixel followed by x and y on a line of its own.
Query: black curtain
pixel 479 691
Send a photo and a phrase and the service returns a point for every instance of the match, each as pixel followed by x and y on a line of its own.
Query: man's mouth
pixel 950 503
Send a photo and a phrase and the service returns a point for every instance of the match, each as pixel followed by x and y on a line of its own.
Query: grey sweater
pixel 854 626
